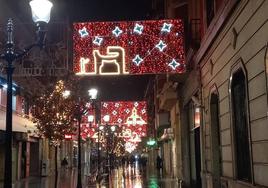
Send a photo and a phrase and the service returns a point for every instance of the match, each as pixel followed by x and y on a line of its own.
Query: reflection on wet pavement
pixel 127 177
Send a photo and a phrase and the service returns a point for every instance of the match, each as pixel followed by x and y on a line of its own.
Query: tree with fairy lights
pixel 53 112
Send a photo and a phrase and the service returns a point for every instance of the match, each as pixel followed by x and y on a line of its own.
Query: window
pixel 215 139
pixel 210 8
pixel 240 126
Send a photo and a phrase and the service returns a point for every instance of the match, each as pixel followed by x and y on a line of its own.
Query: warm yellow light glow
pixel 135 119
pixel 66 93
pixel 106 118
pixel 111 57
pixel 83 62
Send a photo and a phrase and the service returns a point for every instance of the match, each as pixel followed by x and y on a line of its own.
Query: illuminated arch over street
pixel 141 47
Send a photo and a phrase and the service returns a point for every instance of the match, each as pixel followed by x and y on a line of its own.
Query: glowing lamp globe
pixel 41 10
pixel 93 93
pixel 106 118
pixel 113 128
pixel 90 118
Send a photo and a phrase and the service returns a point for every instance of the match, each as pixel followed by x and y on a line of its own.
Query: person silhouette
pixel 159 165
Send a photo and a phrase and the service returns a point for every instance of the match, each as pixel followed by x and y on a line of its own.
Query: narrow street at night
pixel 133 93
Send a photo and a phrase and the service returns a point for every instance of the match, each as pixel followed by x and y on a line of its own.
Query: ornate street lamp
pixel 41 16
pixel 90 119
pixel 93 96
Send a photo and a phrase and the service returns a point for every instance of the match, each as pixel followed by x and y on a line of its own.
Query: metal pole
pixel 79 181
pixel 8 135
pixel 107 148
pixel 98 150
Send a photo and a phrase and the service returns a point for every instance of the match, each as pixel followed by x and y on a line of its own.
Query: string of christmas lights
pixel 150 47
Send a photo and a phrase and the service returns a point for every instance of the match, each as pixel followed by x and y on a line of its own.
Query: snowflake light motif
pixel 174 64
pixel 161 46
pixel 98 40
pixel 138 29
pixel 119 120
pixel 105 105
pixel 117 31
pixel 137 60
pixel 114 112
pixel 143 111
pixel 166 28
pixel 83 32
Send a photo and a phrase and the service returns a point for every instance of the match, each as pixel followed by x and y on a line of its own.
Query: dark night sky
pixel 113 87
pixel 109 10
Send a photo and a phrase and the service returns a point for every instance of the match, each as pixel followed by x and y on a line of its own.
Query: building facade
pixel 221 117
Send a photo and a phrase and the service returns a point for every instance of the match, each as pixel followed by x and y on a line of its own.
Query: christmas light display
pixel 130 116
pixel 83 32
pixel 53 112
pixel 166 27
pixel 142 47
pixel 88 123
pixel 127 123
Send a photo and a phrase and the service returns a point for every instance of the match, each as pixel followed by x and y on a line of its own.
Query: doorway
pixel 34 159
pixel 23 160
pixel 195 150
pixel 215 139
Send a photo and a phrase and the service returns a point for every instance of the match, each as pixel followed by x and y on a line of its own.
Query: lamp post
pixel 106 119
pixel 41 16
pixel 90 120
pixel 98 145
pixel 93 96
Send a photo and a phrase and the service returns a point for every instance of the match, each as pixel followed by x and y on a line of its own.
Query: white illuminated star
pixel 137 60
pixel 119 120
pixel 161 46
pixel 138 29
pixel 143 111
pixel 166 27
pixel 117 31
pixel 98 40
pixel 83 32
pixel 174 64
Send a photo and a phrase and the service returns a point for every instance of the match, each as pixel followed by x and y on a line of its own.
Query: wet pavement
pixel 127 177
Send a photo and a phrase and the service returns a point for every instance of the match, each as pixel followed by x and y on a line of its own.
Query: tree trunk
pixel 56 166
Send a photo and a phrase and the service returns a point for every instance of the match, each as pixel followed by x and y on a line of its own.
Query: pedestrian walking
pixel 64 163
pixel 159 165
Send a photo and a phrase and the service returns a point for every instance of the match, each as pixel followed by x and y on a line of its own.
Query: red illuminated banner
pixel 142 47
pixel 131 116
